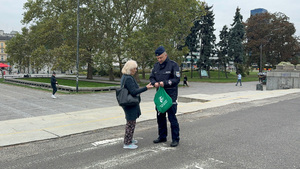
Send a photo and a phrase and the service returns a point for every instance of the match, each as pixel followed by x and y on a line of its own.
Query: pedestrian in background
pixel 239 79
pixel 185 81
pixel 166 74
pixel 131 112
pixel 53 85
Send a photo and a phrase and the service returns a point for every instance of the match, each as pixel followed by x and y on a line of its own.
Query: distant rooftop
pixel 11 34
pixel 5 38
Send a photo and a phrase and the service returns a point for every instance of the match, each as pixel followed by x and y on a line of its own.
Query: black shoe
pixel 159 140
pixel 174 144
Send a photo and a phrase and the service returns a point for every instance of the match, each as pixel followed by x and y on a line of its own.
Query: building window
pixel 2 58
pixel 1 45
pixel 2 50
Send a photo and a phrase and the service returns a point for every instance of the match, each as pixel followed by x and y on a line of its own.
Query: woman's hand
pixel 149 86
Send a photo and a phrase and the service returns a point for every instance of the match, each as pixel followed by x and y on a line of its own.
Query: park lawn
pixel 72 83
pixel 219 77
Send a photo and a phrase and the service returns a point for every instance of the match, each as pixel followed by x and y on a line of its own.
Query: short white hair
pixel 129 65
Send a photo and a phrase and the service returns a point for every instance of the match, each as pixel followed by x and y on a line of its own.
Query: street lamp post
pixel 260 68
pixel 77 58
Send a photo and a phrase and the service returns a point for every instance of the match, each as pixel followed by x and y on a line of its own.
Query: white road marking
pixel 107 142
pixel 207 164
pixel 131 156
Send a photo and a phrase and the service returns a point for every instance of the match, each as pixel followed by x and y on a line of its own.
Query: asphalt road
pixel 261 134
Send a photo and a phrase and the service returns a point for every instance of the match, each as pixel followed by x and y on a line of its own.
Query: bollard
pixel 259 87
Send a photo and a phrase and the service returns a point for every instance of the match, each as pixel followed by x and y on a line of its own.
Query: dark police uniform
pixel 167 72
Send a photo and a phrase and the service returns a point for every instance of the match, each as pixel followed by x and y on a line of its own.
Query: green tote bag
pixel 162 100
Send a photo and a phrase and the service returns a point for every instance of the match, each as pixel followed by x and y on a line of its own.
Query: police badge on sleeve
pixel 177 73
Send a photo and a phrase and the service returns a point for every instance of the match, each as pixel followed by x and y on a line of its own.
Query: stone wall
pixel 285 76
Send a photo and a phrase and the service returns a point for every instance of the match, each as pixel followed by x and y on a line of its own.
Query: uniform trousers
pixel 162 123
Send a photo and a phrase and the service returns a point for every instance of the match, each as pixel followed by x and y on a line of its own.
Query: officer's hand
pixel 156 84
pixel 161 84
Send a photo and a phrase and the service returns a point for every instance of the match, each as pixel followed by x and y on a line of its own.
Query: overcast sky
pixel 224 10
pixel 11 12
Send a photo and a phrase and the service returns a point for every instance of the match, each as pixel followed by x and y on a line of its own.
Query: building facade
pixel 258 11
pixel 4 37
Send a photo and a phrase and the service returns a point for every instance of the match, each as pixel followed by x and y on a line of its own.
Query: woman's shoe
pixel 134 141
pixel 130 146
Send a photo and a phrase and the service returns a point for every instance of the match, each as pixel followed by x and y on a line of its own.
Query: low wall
pixel 283 79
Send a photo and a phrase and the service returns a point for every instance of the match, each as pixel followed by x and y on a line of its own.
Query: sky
pixel 224 10
pixel 11 12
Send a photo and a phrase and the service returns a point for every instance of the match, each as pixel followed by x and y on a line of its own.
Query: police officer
pixel 166 74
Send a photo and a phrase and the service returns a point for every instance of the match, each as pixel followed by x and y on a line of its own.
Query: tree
pixel 111 31
pixel 236 37
pixel 192 42
pixel 54 27
pixel 169 25
pixel 164 25
pixel 207 40
pixel 275 36
pixel 223 48
pixel 19 50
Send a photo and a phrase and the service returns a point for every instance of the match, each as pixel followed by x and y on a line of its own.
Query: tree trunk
pixel 208 71
pixel 137 77
pixel 90 67
pixel 200 73
pixel 192 65
pixel 225 70
pixel 218 71
pixel 89 71
pixel 120 68
pixel 143 73
pixel 111 73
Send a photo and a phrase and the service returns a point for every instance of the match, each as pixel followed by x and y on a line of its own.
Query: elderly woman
pixel 131 112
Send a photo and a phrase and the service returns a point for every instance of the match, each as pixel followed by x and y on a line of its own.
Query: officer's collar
pixel 166 61
pixel 163 65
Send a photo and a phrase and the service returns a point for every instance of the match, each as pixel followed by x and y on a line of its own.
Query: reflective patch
pixel 177 74
pixel 170 82
pixel 168 72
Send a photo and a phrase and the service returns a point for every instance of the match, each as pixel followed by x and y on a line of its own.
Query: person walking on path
pixel 131 112
pixel 53 85
pixel 239 79
pixel 166 74
pixel 185 81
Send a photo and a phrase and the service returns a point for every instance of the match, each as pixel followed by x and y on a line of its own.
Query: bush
pixel 117 73
pixel 102 72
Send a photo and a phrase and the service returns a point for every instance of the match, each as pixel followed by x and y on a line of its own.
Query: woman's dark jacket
pixel 132 112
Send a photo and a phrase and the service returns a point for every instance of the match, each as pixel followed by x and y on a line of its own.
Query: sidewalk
pixel 23 130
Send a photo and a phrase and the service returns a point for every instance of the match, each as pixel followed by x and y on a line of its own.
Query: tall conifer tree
pixel 208 39
pixel 223 48
pixel 237 32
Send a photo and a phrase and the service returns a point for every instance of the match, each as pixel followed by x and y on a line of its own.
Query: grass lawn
pixel 216 77
pixel 68 82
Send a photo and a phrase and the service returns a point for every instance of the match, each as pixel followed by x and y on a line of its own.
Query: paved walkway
pixel 31 115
